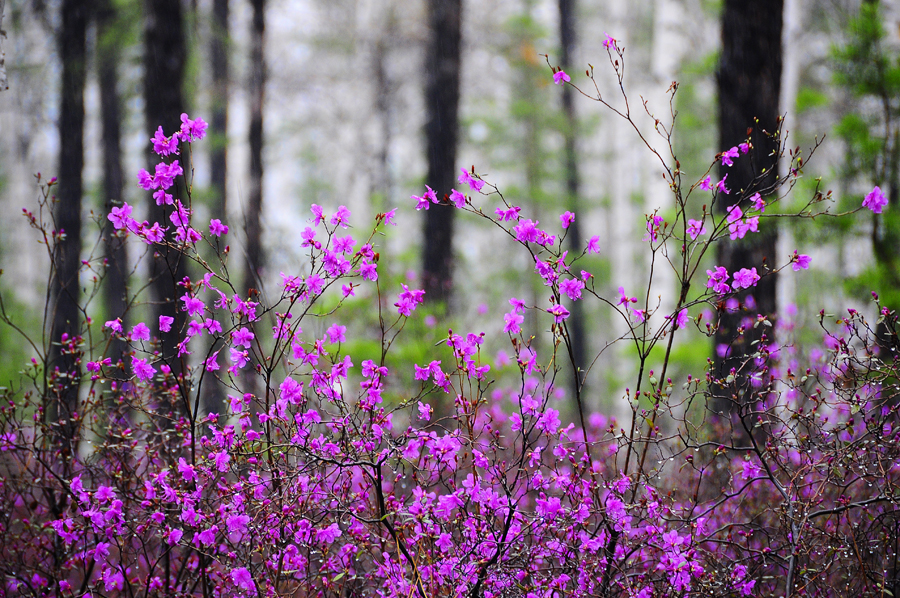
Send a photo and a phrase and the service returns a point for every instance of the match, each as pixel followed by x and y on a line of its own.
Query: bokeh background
pixel 345 91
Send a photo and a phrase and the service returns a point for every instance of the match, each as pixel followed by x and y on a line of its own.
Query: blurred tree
pixel 442 68
pixel 165 54
pixel 567 40
pixel 749 85
pixel 217 136
pixel 109 54
pixel 256 84
pixel 219 43
pixel 4 85
pixel 64 283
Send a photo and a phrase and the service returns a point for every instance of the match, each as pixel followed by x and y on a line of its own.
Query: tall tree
pixel 3 82
pixel 64 286
pixel 218 46
pixel 442 69
pixel 108 57
pixel 165 54
pixel 749 85
pixel 256 86
pixel 567 40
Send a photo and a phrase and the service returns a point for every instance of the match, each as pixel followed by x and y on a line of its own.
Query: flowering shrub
pixel 326 475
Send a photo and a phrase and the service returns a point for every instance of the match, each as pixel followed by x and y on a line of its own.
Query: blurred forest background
pixel 363 102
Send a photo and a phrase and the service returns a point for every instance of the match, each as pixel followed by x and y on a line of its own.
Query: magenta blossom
pixel 800 262
pixel 467 179
pixel 875 200
pixel 560 76
pixel 695 228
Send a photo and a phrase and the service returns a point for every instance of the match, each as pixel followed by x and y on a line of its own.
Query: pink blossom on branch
pixel 875 200
pixel 560 77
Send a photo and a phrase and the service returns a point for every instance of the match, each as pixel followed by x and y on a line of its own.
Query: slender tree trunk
pixel 567 40
pixel 749 86
pixel 218 134
pixel 116 279
pixel 217 138
pixel 4 85
pixel 165 55
pixel 65 287
pixel 442 69
pixel 255 257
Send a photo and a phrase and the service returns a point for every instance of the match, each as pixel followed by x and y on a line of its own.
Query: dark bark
pixel 218 130
pixel 116 280
pixel 567 40
pixel 165 54
pixel 217 139
pixel 256 84
pixel 65 287
pixel 749 85
pixel 442 72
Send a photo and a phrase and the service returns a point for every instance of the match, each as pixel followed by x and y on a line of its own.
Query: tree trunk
pixel 165 55
pixel 442 69
pixel 218 133
pixel 65 287
pixel 116 280
pixel 255 257
pixel 217 138
pixel 749 85
pixel 575 324
pixel 4 85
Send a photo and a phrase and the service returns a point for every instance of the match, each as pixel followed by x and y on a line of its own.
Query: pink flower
pixel 758 202
pixel 242 579
pixel 457 199
pixel 610 42
pixel 566 219
pixel 706 184
pixel 744 279
pixel 467 179
pixel 695 229
pixel 593 245
pixel 800 262
pixel 681 320
pixel 192 129
pixel 728 157
pixel 718 280
pixel 221 460
pixel 513 322
pixel 120 217
pixel 559 313
pixel 875 200
pixel 560 76
pixel 317 212
pixel 572 288
pixel 336 333
pixel 140 332
pixel 341 217
pixel 162 145
pixel 721 185
pixel 165 323
pixel 142 370
pixel 242 337
pixel 216 228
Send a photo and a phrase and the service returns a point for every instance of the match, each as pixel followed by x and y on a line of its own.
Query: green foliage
pixel 695 126
pixel 808 99
pixel 14 348
pixel 864 64
pixel 870 69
